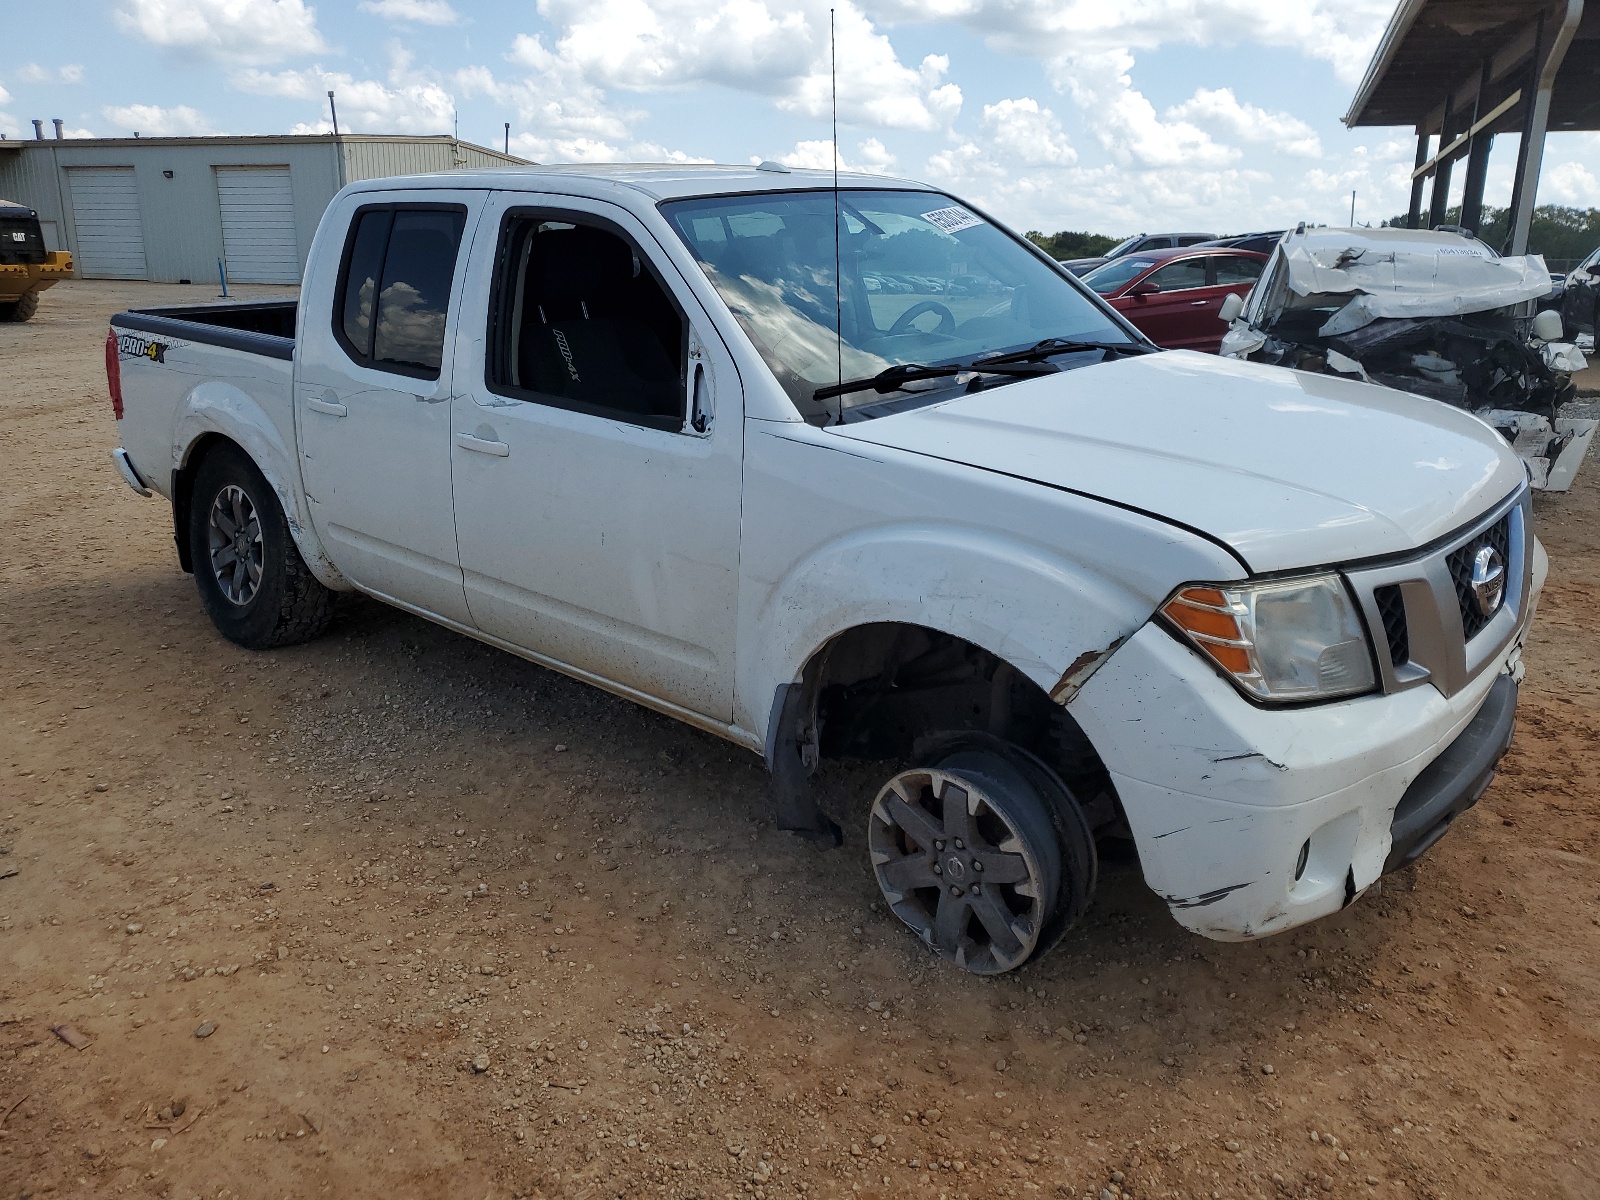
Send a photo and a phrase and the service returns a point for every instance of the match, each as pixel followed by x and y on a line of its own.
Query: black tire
pixel 20 309
pixel 268 597
pixel 968 856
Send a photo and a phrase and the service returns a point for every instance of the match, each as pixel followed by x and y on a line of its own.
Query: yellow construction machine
pixel 26 267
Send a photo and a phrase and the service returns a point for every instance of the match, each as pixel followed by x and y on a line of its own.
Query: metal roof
pixel 1434 47
pixel 315 139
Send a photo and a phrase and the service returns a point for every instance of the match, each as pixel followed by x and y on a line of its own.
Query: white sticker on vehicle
pixel 952 219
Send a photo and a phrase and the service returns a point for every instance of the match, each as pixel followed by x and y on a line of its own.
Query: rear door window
pixel 1232 269
pixel 1180 276
pixel 393 296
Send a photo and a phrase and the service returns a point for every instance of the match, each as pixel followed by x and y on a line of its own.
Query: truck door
pixel 597 443
pixel 372 394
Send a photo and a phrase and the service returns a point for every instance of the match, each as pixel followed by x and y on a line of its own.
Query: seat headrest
pixel 580 264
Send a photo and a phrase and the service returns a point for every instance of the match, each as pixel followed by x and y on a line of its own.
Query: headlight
pixel 1281 639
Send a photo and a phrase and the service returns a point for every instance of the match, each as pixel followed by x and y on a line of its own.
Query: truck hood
pixel 1289 469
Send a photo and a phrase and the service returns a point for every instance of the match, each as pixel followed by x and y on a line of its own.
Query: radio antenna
pixel 838 279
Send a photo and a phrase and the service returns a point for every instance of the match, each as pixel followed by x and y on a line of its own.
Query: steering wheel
pixel 947 320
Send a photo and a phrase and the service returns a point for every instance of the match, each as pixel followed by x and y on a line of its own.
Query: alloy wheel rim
pixel 954 862
pixel 234 536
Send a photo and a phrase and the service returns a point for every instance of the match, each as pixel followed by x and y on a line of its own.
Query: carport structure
pixel 1462 72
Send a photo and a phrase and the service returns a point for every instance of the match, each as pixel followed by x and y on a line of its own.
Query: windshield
pixel 925 281
pixel 1124 246
pixel 1108 278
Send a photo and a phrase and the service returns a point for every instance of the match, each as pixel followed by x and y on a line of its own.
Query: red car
pixel 1173 296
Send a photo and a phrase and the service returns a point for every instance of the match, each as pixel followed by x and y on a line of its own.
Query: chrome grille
pixel 1422 609
pixel 1392 611
pixel 1459 561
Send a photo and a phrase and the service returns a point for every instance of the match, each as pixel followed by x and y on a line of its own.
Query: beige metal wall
pixel 378 158
pixel 181 217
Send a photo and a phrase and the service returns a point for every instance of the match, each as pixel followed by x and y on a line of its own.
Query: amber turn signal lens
pixel 1212 623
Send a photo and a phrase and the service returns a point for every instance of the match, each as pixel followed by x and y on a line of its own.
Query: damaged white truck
pixel 953 515
pixel 1431 312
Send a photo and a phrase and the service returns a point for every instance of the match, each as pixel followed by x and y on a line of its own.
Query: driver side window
pixel 581 321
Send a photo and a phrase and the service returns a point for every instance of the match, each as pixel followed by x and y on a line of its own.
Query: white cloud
pixel 1568 183
pixel 152 120
pixel 872 157
pixel 1220 108
pixel 1342 33
pixel 34 73
pixel 407 103
pixel 1022 131
pixel 419 12
pixel 227 30
pixel 1126 122
pixel 963 162
pixel 748 46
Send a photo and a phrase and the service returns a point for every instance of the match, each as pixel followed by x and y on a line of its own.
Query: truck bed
pixel 179 365
pixel 256 326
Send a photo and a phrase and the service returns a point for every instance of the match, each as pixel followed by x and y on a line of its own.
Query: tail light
pixel 113 373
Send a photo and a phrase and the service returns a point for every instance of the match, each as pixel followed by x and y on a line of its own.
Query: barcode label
pixel 952 219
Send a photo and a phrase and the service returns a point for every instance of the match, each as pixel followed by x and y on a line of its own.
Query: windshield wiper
pixel 1040 351
pixel 892 378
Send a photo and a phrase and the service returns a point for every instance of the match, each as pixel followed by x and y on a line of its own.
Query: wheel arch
pixel 219 413
pixel 1048 617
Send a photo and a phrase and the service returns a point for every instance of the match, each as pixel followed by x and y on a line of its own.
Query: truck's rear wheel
pixel 253 583
pixel 20 309
pixel 966 855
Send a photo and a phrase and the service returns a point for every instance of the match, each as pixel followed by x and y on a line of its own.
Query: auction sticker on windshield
pixel 952 219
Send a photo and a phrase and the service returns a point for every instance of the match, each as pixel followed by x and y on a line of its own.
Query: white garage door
pixel 105 213
pixel 258 224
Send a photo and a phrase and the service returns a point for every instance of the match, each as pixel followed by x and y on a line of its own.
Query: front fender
pixel 838 535
pixel 218 407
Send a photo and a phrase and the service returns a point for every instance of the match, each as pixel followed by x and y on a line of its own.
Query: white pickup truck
pixel 953 514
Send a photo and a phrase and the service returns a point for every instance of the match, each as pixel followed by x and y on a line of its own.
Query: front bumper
pixel 1224 796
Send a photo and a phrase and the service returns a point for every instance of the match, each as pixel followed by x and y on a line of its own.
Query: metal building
pixel 1461 72
pixel 169 209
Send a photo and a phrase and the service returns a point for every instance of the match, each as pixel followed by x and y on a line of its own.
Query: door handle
pixel 332 407
pixel 480 445
pixel 1198 303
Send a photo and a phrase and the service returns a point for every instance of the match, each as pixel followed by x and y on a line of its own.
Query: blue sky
pixel 1054 114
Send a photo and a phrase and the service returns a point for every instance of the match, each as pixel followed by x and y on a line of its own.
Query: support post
pixel 1531 157
pixel 1477 173
pixel 1414 214
pixel 1439 191
pixel 1477 157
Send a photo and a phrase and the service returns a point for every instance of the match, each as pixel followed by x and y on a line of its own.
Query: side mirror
pixel 1146 288
pixel 1232 306
pixel 1547 326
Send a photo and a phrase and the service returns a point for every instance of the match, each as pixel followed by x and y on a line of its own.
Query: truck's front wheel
pixel 253 583
pixel 967 854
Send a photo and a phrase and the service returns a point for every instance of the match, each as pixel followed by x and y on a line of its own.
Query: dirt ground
pixel 394 914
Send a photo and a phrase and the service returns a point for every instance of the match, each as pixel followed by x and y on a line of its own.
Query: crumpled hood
pixel 1405 273
pixel 1290 469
